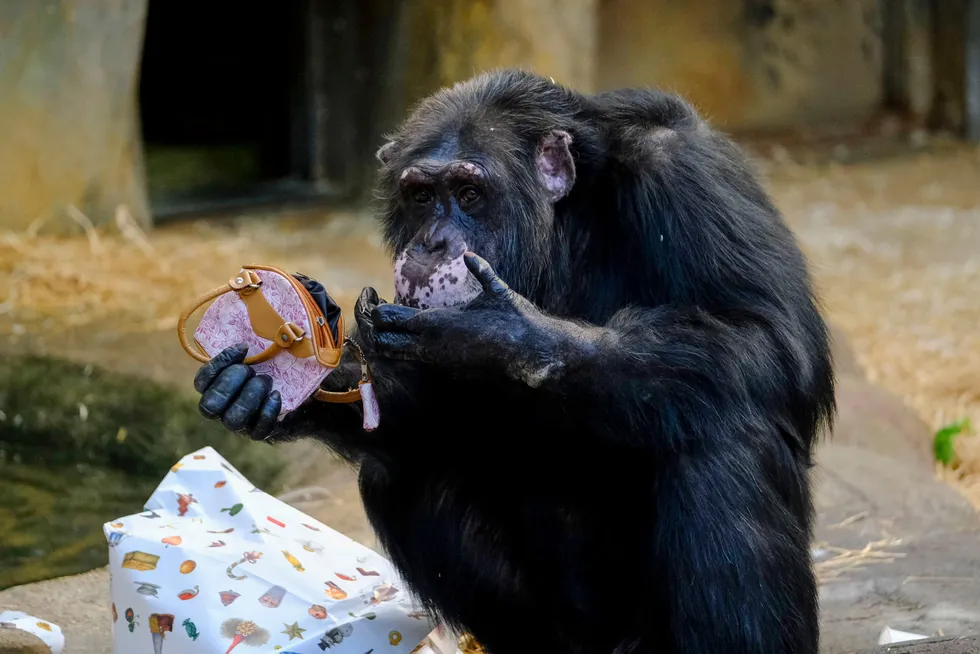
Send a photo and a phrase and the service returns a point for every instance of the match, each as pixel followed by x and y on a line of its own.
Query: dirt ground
pixel 894 244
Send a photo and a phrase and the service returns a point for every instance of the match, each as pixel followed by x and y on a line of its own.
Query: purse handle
pixel 288 336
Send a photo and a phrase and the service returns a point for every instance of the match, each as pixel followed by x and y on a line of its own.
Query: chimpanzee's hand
pixel 232 392
pixel 498 329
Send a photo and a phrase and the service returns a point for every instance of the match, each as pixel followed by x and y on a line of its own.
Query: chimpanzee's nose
pixel 436 239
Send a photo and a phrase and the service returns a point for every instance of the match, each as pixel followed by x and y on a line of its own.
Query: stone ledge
pixel 968 645
pixel 18 641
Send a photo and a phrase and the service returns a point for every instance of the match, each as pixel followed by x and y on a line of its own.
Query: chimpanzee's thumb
pixel 484 273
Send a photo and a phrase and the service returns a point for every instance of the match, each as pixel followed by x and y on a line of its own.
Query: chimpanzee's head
pixel 477 167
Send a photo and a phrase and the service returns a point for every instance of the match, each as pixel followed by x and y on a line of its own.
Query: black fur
pixel 652 495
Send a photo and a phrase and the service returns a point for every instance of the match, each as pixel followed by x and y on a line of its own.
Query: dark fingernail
pixel 265 422
pixel 235 352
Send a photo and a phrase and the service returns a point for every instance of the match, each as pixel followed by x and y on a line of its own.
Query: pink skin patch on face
pixel 448 284
pixel 465 169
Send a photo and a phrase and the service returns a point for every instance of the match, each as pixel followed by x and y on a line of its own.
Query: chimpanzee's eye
pixel 422 196
pixel 469 194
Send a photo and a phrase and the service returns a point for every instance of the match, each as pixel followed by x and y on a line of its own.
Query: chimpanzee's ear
pixel 555 164
pixel 385 151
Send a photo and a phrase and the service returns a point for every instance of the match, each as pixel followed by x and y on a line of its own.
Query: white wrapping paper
pixel 215 565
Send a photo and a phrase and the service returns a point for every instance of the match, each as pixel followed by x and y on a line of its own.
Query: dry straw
pixel 118 277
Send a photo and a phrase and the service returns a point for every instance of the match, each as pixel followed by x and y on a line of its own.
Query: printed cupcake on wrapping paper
pixel 213 564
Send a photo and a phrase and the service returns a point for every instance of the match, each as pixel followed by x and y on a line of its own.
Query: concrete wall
pixel 440 42
pixel 68 117
pixel 749 64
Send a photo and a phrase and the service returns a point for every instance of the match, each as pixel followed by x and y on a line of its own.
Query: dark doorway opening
pixel 223 100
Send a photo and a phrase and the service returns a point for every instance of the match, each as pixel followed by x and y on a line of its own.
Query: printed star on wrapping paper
pixel 293 630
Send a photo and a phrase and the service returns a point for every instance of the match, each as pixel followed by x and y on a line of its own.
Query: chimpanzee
pixel 601 379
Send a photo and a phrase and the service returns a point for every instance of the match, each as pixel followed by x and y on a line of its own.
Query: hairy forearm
pixel 685 372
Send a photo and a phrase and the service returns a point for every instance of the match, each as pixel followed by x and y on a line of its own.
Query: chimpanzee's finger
pixel 394 317
pixel 224 390
pixel 395 345
pixel 363 308
pixel 268 414
pixel 243 408
pixel 484 273
pixel 368 300
pixel 210 370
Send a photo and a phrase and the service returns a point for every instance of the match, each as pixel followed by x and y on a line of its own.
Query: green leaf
pixel 942 443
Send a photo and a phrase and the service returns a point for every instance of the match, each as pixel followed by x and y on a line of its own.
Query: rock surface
pixel 932 646
pixel 18 641
pixel 872 418
pixel 846 363
pixel 78 604
pixel 921 573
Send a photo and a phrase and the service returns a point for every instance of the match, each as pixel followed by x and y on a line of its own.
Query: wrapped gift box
pixel 215 565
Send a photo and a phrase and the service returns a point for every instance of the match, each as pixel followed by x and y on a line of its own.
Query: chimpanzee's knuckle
pixel 252 395
pixel 232 420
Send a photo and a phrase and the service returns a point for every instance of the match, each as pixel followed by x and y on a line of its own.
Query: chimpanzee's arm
pixel 659 366
pixel 687 372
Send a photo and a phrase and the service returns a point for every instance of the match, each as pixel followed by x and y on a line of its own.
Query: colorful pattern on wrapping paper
pixel 226 323
pixel 284 596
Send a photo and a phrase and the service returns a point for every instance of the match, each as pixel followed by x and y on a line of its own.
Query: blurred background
pixel 152 147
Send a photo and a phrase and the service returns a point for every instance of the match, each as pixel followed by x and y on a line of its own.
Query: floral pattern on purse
pixel 294 332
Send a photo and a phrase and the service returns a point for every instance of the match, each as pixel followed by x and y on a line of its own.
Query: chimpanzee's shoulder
pixel 645 107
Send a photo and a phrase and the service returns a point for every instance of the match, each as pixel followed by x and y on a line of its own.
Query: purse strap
pixel 268 324
pixel 354 394
pixel 285 335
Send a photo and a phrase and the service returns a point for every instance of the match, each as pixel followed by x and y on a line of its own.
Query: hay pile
pixel 896 252
pixel 122 279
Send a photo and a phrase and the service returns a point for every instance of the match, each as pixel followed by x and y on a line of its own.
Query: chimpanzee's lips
pixel 416 304
pixel 436 284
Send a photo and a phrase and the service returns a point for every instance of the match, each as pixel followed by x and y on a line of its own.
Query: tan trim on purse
pixel 285 336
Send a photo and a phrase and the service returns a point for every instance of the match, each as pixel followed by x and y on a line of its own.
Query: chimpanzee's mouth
pixel 429 285
pixel 416 303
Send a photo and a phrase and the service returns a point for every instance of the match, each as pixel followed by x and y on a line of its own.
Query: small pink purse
pixel 294 331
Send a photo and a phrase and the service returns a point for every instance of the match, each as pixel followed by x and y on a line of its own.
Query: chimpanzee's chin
pixel 441 303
